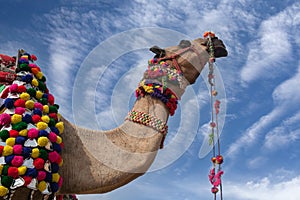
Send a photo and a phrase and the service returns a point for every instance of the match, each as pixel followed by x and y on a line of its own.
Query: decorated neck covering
pixel 30 134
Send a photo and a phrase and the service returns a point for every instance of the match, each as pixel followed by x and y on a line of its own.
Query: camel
pixel 127 152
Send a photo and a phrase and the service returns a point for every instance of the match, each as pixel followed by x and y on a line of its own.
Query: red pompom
pixel 27 180
pixel 13 133
pixel 21 88
pixel 1 150
pixel 33 57
pixel 39 163
pixel 36 118
pixel 13 172
pixel 19 103
pixel 50 99
pixel 53 116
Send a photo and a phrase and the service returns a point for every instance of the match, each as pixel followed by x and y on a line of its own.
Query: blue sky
pixel 84 48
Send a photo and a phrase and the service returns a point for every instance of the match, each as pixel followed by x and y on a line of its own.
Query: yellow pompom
pixel 29 104
pixel 35 153
pixel 59 116
pixel 35 82
pixel 1 168
pixel 41 125
pixel 25 96
pixel 39 75
pixel 43 141
pixel 39 94
pixel 61 163
pixel 7 150
pixel 45 118
pixel 3 191
pixel 42 186
pixel 58 140
pixel 23 132
pixel 46 109
pixel 55 177
pixel 60 127
pixel 10 141
pixel 16 118
pixel 22 170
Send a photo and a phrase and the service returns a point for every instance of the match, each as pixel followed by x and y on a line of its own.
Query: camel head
pixel 189 57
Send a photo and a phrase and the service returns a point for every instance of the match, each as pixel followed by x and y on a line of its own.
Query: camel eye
pixel 185 43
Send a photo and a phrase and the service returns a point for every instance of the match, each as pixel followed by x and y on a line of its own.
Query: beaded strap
pixel 149 120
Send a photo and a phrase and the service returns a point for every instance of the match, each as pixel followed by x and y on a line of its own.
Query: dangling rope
pixel 217 160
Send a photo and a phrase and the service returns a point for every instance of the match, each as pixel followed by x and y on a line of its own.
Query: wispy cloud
pixel 272 47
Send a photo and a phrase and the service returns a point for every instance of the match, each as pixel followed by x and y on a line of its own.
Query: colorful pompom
pixel 27 118
pixel 22 170
pixel 42 141
pixel 39 163
pixel 31 92
pixel 19 103
pixel 36 119
pixel 55 177
pixel 45 119
pixel 33 133
pixel 7 150
pixel 42 186
pixel 41 125
pixel 60 127
pixel 6 181
pixel 46 109
pixel 13 133
pixel 20 110
pixel 25 96
pixel 17 161
pixel 3 191
pixel 38 105
pixel 35 82
pixel 5 119
pixel 35 153
pixel 41 175
pixel 13 172
pixel 29 104
pixel 4 134
pixel 52 137
pixel 39 94
pixel 19 126
pixel 9 103
pixel 13 88
pixel 10 141
pixel 16 118
pixel 17 149
pixel 21 89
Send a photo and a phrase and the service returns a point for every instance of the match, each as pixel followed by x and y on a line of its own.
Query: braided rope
pixel 150 121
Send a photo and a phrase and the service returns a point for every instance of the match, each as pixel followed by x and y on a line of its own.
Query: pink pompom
pixel 53 156
pixel 32 65
pixel 33 133
pixel 60 182
pixel 17 149
pixel 52 137
pixel 17 161
pixel 13 88
pixel 38 106
pixel 20 110
pixel 41 175
pixel 5 119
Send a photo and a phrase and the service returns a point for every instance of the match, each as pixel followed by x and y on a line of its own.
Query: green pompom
pixel 52 122
pixel 31 92
pixel 43 101
pixel 4 134
pixel 53 109
pixel 7 181
pixel 5 170
pixel 43 79
pixel 43 154
pixel 42 86
pixel 19 126
pixel 24 67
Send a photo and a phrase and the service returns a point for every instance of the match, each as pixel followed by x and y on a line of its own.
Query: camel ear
pixel 185 43
pixel 158 51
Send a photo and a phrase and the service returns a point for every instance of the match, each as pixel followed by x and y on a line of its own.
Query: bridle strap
pixel 178 53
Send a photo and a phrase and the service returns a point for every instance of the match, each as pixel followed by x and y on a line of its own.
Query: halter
pixel 178 53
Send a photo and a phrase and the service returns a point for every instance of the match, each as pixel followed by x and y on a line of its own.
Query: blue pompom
pixel 45 96
pixel 43 133
pixel 26 153
pixel 54 167
pixel 9 103
pixel 37 112
pixel 54 129
pixel 48 177
pixel 56 147
pixel 9 158
pixel 54 187
pixel 31 172
pixel 27 78
pixel 27 118
pixel 20 140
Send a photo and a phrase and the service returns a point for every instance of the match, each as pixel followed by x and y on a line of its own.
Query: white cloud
pixel 273 46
